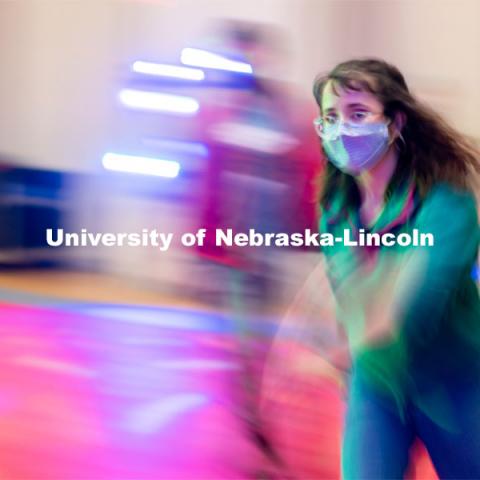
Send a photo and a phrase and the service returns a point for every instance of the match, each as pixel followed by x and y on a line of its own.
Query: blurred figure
pixel 411 315
pixel 263 163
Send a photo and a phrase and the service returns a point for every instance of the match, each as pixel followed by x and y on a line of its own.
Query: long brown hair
pixel 432 151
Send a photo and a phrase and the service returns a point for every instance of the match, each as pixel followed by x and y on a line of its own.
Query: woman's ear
pixel 398 123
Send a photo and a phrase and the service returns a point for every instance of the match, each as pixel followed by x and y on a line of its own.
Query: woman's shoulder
pixel 450 196
pixel 445 203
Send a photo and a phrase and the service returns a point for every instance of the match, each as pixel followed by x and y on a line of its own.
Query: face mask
pixel 355 148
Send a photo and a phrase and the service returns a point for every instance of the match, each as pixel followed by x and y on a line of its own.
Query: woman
pixel 411 315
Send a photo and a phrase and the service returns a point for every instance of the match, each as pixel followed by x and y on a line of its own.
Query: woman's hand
pixel 368 303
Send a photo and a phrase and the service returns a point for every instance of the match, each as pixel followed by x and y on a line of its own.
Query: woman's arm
pixel 310 324
pixel 434 273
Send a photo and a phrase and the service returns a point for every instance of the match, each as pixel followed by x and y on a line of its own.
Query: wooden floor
pixel 86 287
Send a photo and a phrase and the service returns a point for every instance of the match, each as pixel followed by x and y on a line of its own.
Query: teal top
pixel 428 294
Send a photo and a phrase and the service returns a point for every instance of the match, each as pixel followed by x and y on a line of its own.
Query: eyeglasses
pixel 318 125
pixel 328 124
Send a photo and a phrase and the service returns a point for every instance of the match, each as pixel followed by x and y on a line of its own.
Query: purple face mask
pixel 355 148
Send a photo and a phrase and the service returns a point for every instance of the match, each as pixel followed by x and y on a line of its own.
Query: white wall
pixel 436 44
pixel 55 82
pixel 63 61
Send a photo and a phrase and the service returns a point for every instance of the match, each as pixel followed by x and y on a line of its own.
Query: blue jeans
pixel 378 437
